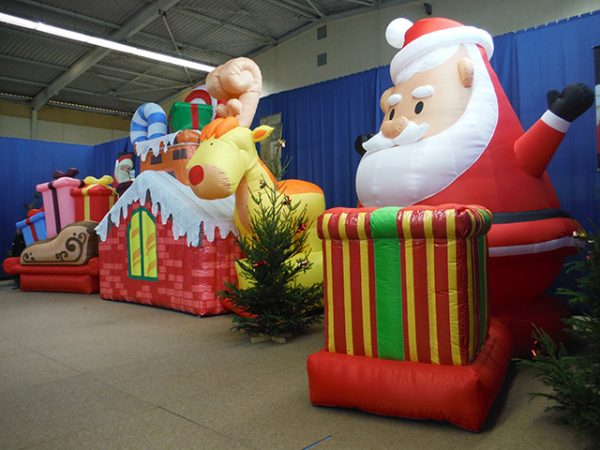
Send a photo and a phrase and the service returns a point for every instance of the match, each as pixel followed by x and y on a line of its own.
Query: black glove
pixel 360 140
pixel 572 102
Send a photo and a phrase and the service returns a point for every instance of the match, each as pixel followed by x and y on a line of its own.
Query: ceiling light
pixel 100 42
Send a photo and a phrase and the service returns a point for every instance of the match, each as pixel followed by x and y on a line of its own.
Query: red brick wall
pixel 189 278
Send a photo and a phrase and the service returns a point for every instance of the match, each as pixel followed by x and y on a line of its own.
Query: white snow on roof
pixel 175 201
pixel 154 145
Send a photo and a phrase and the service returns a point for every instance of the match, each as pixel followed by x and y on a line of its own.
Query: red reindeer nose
pixel 196 174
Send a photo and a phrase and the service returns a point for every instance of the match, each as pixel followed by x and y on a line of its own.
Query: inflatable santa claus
pixel 450 135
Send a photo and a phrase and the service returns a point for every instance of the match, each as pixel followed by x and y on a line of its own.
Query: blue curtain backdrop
pixel 104 156
pixel 26 163
pixel 531 62
pixel 321 121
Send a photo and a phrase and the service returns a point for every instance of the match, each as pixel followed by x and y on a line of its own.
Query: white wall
pixel 20 127
pixel 357 43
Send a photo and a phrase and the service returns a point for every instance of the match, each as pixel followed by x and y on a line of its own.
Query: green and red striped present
pixel 406 283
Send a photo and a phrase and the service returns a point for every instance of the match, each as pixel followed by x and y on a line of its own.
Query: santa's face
pixel 435 98
pixel 437 123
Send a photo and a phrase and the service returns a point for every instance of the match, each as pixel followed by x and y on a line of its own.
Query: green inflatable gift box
pixel 189 116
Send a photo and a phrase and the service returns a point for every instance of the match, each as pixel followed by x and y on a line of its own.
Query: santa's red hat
pixel 418 39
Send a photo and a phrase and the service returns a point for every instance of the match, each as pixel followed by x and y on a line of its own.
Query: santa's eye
pixel 419 107
pixel 392 112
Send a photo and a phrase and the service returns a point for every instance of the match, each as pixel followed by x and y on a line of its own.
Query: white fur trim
pixel 396 30
pixel 434 40
pixel 532 249
pixel 553 121
pixel 426 62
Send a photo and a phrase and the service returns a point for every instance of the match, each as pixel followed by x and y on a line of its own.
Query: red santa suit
pixel 530 234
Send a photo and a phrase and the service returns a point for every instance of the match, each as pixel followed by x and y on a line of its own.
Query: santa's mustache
pixel 412 133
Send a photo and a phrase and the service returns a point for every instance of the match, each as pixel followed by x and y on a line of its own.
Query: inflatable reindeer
pixel 227 162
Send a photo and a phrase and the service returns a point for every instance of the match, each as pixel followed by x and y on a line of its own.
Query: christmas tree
pixel 274 305
pixel 575 379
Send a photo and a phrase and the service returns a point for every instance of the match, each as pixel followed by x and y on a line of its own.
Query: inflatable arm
pixel 535 148
pixel 238 82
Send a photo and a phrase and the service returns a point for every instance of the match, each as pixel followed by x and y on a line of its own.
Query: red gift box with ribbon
pixel 94 199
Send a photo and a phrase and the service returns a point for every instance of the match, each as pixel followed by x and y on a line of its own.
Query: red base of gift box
pixel 98 207
pixel 461 395
pixel 78 279
pixel 545 312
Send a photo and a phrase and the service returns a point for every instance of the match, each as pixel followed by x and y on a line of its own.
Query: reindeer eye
pixel 392 112
pixel 419 107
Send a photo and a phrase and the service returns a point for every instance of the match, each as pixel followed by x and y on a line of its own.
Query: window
pixel 141 246
pixel 322 32
pixel 180 154
pixel 156 159
pixel 322 59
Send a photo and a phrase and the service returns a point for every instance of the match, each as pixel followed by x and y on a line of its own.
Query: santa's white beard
pixel 406 174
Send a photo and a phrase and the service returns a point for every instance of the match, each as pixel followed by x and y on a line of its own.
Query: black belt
pixel 528 216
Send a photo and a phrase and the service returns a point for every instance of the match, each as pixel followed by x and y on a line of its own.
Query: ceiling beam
pixel 77 91
pixel 32 61
pixel 294 9
pixel 137 75
pixel 153 89
pixel 298 5
pixel 22 81
pixel 317 10
pixel 114 26
pixel 140 20
pixel 172 37
pixel 134 81
pixel 134 101
pixel 100 75
pixel 66 12
pixel 196 15
pixel 78 107
pixel 362 2
pixel 328 18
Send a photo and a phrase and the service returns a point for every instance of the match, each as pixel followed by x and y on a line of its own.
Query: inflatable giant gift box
pixel 406 315
pixel 94 199
pixel 406 284
pixel 189 116
pixel 33 227
pixel 59 205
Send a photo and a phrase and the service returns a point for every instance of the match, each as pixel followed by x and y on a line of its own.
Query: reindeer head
pixel 226 152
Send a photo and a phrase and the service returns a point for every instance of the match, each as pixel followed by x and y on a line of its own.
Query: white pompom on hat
pixel 425 35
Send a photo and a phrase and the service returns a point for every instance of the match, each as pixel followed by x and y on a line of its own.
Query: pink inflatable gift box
pixel 59 205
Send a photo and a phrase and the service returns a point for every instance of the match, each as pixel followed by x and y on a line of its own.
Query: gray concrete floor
pixel 77 372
